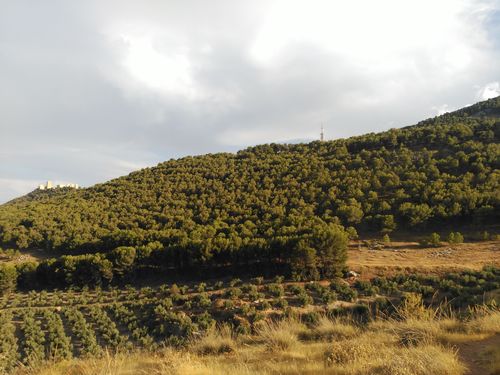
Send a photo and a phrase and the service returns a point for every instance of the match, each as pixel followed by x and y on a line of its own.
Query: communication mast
pixel 322 134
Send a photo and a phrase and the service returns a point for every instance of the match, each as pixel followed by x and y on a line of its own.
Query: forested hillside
pixel 276 202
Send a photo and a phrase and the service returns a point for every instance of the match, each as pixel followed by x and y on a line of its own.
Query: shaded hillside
pixel 254 204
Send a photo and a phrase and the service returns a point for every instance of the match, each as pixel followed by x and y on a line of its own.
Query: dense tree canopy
pixel 264 203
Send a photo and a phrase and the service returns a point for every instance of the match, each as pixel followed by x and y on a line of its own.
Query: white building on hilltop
pixel 49 185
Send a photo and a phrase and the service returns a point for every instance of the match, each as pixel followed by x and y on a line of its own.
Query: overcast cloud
pixel 91 90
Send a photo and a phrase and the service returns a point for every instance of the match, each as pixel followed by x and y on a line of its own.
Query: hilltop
pixel 153 271
pixel 277 205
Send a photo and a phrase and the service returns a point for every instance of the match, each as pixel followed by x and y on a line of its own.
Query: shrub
pixel 258 280
pixel 311 318
pixel 201 287
pixel 344 292
pixel 276 290
pixel 352 233
pixel 170 323
pixel 234 282
pixel 314 286
pixel 8 343
pixel 233 293
pixel 365 288
pixel 246 288
pixel 32 348
pixel 433 240
pixel 202 300
pixel 255 295
pixel 455 237
pixel 8 278
pixel 175 291
pixel 279 279
pixel 361 313
pixel 204 321
pixel 413 307
pixel 297 289
pixel 280 303
pixel 328 297
pixel 264 305
pixel 242 326
pixel 304 299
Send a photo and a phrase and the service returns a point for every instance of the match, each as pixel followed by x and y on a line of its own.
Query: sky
pixel 92 90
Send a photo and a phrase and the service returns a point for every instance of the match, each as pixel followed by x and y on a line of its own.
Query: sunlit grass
pixel 410 346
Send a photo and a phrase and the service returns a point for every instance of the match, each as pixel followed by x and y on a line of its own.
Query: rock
pixel 352 274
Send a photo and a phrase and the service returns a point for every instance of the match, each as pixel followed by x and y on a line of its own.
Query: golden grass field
pixel 421 342
pixel 398 257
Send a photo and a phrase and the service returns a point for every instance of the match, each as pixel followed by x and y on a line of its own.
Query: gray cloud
pixel 93 90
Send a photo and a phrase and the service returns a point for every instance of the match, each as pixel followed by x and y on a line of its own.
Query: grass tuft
pixel 280 335
pixel 216 341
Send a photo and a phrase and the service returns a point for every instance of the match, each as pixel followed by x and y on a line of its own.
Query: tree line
pixel 319 250
pixel 257 204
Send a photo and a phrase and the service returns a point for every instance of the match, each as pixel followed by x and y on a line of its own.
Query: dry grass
pixel 396 347
pixel 421 360
pixel 412 258
pixel 487 321
pixel 280 335
pixel 219 340
pixel 331 329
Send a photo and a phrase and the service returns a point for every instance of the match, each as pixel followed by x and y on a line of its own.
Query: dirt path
pixel 474 354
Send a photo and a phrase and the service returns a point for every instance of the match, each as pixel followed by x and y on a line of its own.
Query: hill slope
pixel 228 208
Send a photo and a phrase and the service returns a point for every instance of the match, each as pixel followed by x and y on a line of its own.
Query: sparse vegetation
pixel 330 346
pixel 425 312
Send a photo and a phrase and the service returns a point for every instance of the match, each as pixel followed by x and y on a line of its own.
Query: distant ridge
pixel 259 202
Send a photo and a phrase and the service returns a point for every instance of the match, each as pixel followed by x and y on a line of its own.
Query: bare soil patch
pixel 408 257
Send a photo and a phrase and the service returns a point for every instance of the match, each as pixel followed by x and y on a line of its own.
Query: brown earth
pixel 477 355
pixel 409 257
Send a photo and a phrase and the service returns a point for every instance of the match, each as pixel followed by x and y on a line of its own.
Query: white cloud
pixel 490 90
pixel 442 109
pixel 11 188
pixel 95 89
pixel 168 72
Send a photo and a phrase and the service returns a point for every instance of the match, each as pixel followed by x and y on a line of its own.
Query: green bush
pixel 296 289
pixel 344 292
pixel 234 293
pixel 280 303
pixel 204 321
pixel 304 299
pixel 275 290
pixel 202 300
pixel 365 288
pixel 258 280
pixel 279 279
pixel 8 278
pixel 433 240
pixel 234 282
pixel 311 318
pixel 455 237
